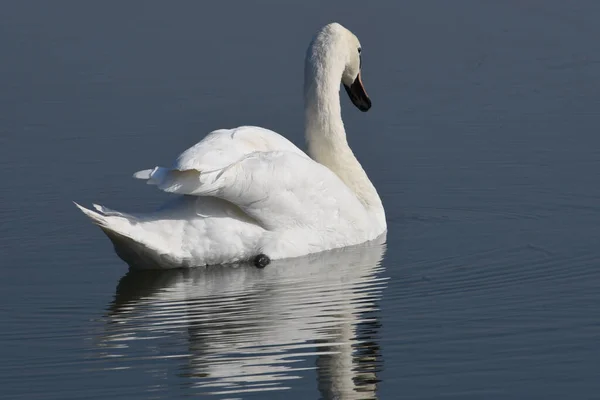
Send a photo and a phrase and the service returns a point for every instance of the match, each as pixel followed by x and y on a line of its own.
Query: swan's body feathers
pixel 226 146
pixel 249 194
pixel 276 203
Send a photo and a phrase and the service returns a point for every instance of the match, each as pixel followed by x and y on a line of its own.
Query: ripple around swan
pixel 231 331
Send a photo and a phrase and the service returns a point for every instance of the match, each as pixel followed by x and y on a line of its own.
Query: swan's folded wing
pixel 283 189
pixel 221 148
pixel 277 189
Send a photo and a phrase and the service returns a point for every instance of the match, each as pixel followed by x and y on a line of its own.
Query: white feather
pixel 249 190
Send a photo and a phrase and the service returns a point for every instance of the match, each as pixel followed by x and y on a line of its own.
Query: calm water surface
pixel 483 141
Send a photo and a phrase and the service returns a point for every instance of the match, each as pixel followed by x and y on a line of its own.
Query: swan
pixel 249 194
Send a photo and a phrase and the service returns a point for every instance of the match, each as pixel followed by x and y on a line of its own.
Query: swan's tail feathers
pixel 110 221
pixel 97 217
pixel 121 230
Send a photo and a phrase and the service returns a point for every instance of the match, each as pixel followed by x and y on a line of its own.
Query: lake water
pixel 483 141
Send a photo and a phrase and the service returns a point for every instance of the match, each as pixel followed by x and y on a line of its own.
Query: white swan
pixel 250 194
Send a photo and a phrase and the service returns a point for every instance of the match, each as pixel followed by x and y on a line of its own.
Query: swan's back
pixel 223 147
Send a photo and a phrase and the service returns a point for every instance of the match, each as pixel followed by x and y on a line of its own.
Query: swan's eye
pixel 359 58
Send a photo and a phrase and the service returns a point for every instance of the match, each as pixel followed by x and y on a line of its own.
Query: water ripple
pixel 233 331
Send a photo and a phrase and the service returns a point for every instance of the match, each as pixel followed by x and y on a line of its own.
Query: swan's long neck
pixel 324 128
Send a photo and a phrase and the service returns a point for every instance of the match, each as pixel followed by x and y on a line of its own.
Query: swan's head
pixel 335 47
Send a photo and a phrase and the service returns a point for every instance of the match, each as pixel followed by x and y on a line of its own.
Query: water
pixel 482 140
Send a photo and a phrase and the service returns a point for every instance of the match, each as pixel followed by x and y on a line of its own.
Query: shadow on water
pixel 233 331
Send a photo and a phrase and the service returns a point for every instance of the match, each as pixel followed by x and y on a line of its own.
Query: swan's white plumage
pixel 220 149
pixel 226 146
pixel 249 190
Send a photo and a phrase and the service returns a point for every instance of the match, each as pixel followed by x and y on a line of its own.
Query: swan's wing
pixel 267 177
pixel 221 148
pixel 278 189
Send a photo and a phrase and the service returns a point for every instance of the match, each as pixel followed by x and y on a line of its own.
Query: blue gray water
pixel 483 140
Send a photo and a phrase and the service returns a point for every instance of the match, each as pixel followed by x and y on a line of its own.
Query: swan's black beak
pixel 358 95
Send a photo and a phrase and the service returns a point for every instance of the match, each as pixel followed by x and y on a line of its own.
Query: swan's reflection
pixel 247 329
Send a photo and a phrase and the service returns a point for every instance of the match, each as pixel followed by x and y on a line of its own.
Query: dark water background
pixel 484 143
